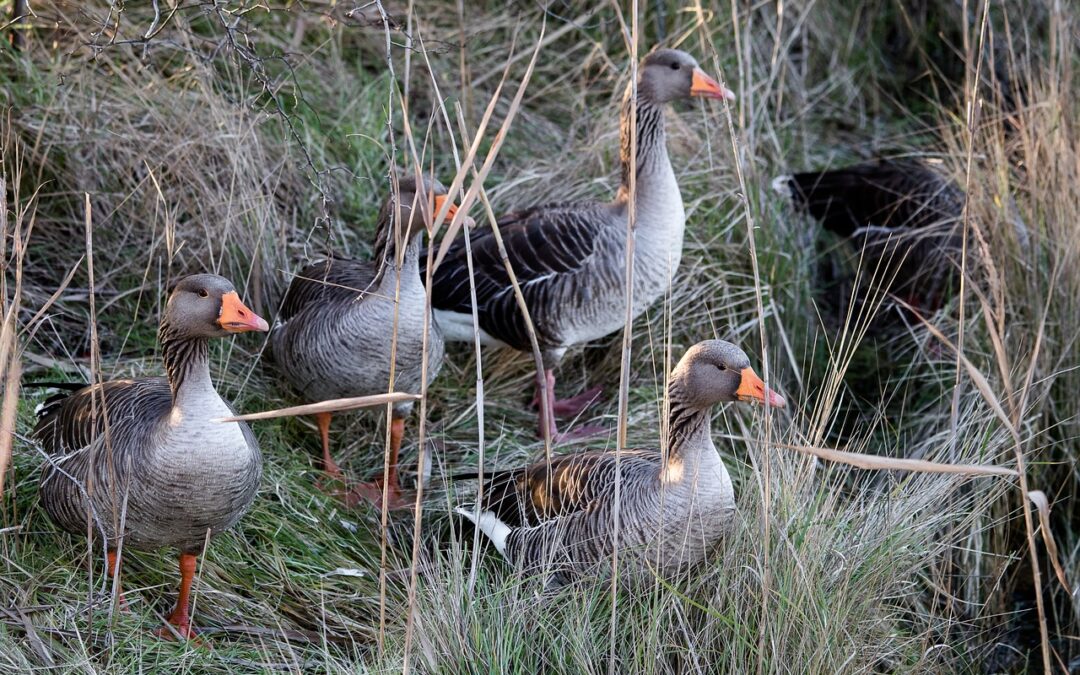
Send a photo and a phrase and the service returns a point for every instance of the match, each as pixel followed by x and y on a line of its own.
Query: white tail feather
pixel 495 530
pixel 782 184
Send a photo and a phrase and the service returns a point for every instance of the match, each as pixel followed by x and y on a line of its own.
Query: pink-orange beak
pixel 236 318
pixel 439 199
pixel 706 87
pixel 751 388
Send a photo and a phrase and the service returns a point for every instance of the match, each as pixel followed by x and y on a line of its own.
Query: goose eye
pixel 675 66
pixel 203 293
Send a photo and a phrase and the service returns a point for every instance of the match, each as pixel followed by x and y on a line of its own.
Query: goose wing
pixel 127 410
pixel 324 281
pixel 545 246
pixel 570 484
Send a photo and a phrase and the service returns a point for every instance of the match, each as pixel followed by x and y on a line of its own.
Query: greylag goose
pixel 900 216
pixel 570 258
pixel 673 507
pixel 338 317
pixel 146 456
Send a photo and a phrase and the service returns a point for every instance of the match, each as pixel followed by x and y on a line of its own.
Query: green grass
pixel 191 167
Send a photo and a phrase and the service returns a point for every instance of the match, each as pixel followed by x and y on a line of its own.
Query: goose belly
pixel 201 480
pixel 594 300
pixel 349 354
pixel 193 476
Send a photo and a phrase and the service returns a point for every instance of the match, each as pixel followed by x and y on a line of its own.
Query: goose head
pixel 207 306
pixel 671 74
pixel 715 371
pixel 417 204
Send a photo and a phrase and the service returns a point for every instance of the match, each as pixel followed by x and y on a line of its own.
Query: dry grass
pixel 247 143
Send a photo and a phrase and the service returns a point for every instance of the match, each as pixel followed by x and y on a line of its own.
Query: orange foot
pixel 179 625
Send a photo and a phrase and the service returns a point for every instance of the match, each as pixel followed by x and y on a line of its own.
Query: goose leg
pixel 373 491
pixel 329 465
pixel 113 568
pixel 180 620
pixel 570 407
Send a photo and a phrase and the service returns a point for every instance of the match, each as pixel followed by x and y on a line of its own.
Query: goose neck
pixel 388 261
pixel 650 161
pixel 689 428
pixel 187 364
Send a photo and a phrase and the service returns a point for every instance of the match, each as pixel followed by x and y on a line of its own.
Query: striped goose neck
pixel 651 139
pixel 385 253
pixel 187 359
pixel 689 425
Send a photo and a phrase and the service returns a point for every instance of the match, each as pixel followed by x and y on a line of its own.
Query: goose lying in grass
pixel 160 470
pixel 672 509
pixel 901 217
pixel 334 339
pixel 570 259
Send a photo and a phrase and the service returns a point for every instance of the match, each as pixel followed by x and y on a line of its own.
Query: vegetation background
pixel 245 138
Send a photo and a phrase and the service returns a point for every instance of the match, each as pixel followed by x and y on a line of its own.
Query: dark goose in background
pixel 901 216
pixel 161 471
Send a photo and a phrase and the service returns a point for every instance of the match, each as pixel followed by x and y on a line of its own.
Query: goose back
pixel 901 219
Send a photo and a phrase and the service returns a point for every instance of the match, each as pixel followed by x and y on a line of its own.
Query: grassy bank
pixel 246 140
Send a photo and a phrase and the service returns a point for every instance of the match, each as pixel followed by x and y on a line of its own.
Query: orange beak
pixel 236 318
pixel 450 211
pixel 706 87
pixel 751 388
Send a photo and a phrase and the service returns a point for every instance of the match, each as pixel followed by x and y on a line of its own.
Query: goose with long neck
pixel 146 456
pixel 570 259
pixel 334 337
pixel 673 507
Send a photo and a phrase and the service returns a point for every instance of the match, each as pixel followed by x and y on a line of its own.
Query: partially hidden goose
pixel 558 519
pixel 570 258
pixel 901 217
pixel 335 336
pixel 146 456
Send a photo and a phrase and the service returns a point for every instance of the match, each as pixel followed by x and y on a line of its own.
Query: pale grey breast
pixel 166 474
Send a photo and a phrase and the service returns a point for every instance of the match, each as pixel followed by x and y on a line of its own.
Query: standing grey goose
pixel 901 216
pixel 570 259
pixel 672 509
pixel 174 474
pixel 338 318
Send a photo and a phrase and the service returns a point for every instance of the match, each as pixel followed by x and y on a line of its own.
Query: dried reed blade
pixel 1042 503
pixel 331 405
pixel 877 462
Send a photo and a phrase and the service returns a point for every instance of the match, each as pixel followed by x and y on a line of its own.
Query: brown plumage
pixel 902 219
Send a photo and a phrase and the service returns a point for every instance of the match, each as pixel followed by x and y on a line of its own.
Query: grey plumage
pixel 673 508
pixel 570 259
pixel 146 451
pixel 337 320
pixel 345 323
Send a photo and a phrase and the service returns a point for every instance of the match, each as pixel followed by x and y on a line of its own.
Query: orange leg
pixel 180 620
pixel 114 573
pixel 329 465
pixel 373 491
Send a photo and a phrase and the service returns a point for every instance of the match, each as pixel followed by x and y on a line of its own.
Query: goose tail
pixel 782 185
pixel 493 528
